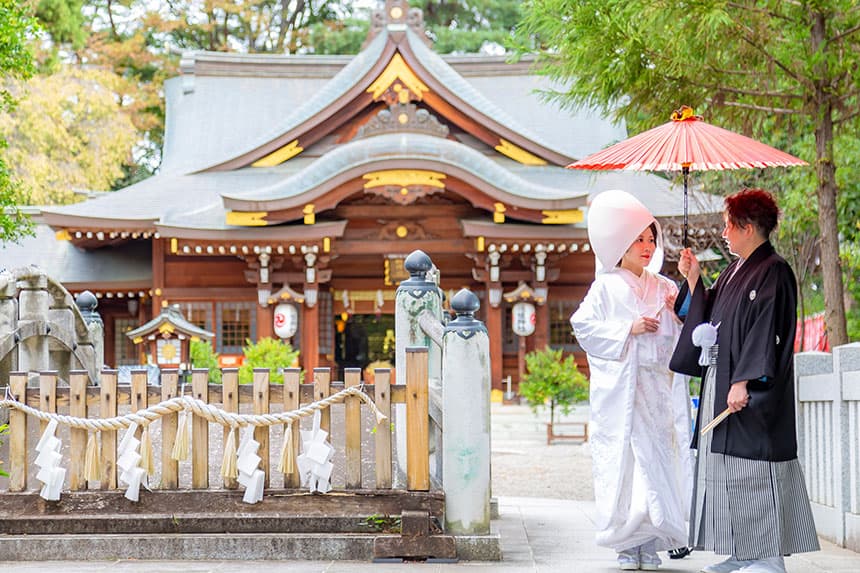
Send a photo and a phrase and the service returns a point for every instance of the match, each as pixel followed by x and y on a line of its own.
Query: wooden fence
pixel 81 400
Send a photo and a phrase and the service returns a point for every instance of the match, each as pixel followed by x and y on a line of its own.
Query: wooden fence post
pixel 47 395
pixel 230 401
pixel 18 434
pixel 169 427
pixel 292 399
pixel 261 406
pixel 200 432
pixel 382 397
pixel 417 419
pixel 322 390
pixel 78 380
pixel 352 430
pixel 108 409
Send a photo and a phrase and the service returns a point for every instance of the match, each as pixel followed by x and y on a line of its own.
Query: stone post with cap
pixel 466 411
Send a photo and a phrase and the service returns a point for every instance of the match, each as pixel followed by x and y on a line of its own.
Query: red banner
pixel 812 333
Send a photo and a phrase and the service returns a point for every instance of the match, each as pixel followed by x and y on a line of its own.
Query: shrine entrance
pixel 363 339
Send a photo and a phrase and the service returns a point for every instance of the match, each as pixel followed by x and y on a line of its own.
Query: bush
pixel 204 356
pixel 267 353
pixel 552 379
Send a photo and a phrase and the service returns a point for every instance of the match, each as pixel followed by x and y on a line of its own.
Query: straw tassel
pixel 228 464
pixel 147 461
pixel 287 462
pixel 180 445
pixel 92 467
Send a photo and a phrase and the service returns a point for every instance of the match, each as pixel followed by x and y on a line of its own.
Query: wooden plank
pixel 417 419
pixel 139 399
pixel 18 434
pixel 230 402
pixel 169 428
pixel 78 437
pixel 292 377
pixel 108 409
pixel 382 436
pixel 352 430
pixel 200 432
pixel 47 395
pixel 261 406
pixel 322 390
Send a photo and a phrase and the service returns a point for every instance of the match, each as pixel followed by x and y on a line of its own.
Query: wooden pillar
pixel 310 337
pixel 265 322
pixel 494 324
pixel 541 335
pixel 158 254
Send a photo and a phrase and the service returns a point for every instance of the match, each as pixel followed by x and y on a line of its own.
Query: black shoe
pixel 679 553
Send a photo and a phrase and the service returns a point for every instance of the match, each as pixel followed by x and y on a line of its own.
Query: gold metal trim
pixel 280 155
pixel 404 178
pixel 308 212
pixel 566 217
pixel 397 69
pixel 499 215
pixel 63 235
pixel 247 218
pixel 518 154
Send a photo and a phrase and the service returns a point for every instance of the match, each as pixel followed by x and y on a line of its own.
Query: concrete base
pixel 225 546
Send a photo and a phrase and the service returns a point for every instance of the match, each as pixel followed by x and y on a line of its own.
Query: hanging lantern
pixel 524 318
pixel 286 320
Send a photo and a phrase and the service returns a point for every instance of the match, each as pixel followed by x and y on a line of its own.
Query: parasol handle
pixel 686 171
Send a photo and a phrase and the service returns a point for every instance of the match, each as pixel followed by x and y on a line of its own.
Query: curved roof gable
pixel 406 150
pixel 396 57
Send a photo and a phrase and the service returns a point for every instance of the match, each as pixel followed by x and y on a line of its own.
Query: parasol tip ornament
pixel 684 113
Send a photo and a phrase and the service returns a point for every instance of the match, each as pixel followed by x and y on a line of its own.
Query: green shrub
pixel 553 379
pixel 267 353
pixel 204 356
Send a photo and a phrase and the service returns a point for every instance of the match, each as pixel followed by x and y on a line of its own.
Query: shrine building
pixel 306 180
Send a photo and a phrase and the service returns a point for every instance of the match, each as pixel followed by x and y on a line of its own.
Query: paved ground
pixel 546 521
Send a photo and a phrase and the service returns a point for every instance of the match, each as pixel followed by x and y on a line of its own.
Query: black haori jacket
pixel 755 306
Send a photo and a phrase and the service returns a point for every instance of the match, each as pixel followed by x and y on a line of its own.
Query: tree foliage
pixel 67 134
pixel 268 353
pixel 204 356
pixel 16 62
pixel 780 71
pixel 552 378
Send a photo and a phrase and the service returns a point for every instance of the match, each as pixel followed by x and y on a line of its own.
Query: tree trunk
pixel 831 268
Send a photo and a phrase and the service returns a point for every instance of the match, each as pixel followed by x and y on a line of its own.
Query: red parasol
pixel 687 144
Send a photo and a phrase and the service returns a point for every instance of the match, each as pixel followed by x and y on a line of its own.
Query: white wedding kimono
pixel 640 412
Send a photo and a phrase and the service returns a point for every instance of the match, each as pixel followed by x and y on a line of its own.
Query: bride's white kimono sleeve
pixel 599 331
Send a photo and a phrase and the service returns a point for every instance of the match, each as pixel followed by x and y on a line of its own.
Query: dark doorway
pixel 362 339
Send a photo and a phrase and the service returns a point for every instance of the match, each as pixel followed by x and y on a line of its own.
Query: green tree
pixel 67 133
pixel 467 27
pixel 204 356
pixel 16 62
pixel 267 353
pixel 552 378
pixel 752 66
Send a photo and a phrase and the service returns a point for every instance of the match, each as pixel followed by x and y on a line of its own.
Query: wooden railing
pixel 81 400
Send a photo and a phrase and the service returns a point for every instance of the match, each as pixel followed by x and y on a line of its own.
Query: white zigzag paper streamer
pixel 48 461
pixel 129 462
pixel 314 463
pixel 248 462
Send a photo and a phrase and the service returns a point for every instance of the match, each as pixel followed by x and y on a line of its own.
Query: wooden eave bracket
pixel 415 542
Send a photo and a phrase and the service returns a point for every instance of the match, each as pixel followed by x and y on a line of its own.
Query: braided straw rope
pixel 198 407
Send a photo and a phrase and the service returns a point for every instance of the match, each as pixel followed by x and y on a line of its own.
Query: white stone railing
pixel 459 373
pixel 828 428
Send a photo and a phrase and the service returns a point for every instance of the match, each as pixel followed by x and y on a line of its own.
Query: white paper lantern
pixel 524 318
pixel 286 320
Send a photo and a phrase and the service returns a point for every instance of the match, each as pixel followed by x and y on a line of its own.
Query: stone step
pixel 223 546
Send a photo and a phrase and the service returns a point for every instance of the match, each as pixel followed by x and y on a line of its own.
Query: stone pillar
pixel 8 321
pixel 466 414
pixel 92 350
pixel 33 304
pixel 415 295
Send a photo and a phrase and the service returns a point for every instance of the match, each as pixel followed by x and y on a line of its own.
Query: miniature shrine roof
pixel 169 322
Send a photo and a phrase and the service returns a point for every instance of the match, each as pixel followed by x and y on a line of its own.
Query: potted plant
pixel 553 379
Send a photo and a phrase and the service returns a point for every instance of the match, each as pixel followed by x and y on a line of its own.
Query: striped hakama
pixel 750 509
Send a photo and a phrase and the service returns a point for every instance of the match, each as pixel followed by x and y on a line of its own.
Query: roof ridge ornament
pixel 396 16
pixel 401 117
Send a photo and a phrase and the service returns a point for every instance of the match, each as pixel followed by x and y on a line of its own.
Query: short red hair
pixel 755 207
